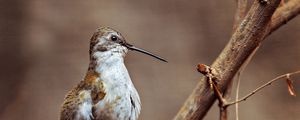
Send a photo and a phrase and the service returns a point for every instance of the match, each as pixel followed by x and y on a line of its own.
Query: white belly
pixel 121 101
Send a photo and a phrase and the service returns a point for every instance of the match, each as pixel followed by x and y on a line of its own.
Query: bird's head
pixel 108 42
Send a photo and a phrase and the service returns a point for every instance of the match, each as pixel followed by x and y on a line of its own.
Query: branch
pixel 284 14
pixel 263 86
pixel 223 104
pixel 237 95
pixel 240 13
pixel 208 72
pixel 239 16
pixel 242 43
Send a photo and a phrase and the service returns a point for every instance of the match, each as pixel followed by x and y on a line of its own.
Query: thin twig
pixel 237 95
pixel 212 80
pixel 223 113
pixel 222 102
pixel 219 94
pixel 239 79
pixel 261 87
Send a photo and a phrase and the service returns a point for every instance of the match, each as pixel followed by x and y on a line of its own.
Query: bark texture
pixel 245 39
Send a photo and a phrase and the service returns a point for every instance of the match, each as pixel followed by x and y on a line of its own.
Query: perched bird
pixel 106 92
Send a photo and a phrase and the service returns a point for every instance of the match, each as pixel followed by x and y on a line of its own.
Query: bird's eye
pixel 114 38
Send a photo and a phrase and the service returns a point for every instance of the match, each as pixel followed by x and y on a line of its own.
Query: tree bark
pixel 284 14
pixel 246 38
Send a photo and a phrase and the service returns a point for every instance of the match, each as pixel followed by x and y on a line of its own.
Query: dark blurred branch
pixel 243 42
pixel 240 13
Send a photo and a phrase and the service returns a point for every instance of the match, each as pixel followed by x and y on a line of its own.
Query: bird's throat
pixel 103 61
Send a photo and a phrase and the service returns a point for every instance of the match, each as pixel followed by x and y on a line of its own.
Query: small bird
pixel 106 92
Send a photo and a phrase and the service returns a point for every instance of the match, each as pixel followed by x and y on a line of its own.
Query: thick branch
pixel 243 42
pixel 238 18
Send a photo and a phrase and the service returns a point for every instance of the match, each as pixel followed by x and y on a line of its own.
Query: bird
pixel 106 92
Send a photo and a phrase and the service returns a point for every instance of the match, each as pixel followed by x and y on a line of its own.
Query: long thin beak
pixel 131 47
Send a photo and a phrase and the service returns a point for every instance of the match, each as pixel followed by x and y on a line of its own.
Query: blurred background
pixel 44 53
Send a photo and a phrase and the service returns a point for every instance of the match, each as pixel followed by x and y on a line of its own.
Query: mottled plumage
pixel 106 93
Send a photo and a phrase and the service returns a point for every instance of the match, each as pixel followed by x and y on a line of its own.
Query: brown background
pixel 44 52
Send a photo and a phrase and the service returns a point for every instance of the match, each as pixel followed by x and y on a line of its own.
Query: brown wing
pixel 72 100
pixel 70 105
